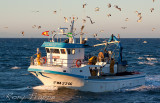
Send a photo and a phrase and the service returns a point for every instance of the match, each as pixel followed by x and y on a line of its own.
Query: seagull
pixel 66 20
pixel 33 26
pixel 109 5
pixel 82 29
pixel 153 29
pixel 54 12
pixel 101 30
pixel 97 9
pixel 126 19
pixel 136 12
pixel 123 27
pixel 39 27
pixel 23 33
pixel 88 17
pixel 95 35
pixel 84 5
pixel 139 14
pixel 90 20
pixel 119 9
pixel 140 19
pixel 84 20
pixel 108 15
pixel 115 6
pixel 152 9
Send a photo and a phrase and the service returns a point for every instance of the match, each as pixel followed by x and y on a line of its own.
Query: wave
pixel 151 59
pixel 132 52
pixel 43 87
pixel 15 67
pixel 147 55
pixel 148 63
pixel 140 58
pixel 23 88
pixel 152 83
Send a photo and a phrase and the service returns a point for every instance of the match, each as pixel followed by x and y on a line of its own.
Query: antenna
pixel 71 31
pixel 81 34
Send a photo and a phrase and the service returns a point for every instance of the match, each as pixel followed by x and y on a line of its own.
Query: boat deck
pixel 116 76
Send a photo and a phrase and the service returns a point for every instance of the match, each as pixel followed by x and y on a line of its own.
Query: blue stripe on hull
pixel 116 79
pixel 55 72
pixel 79 76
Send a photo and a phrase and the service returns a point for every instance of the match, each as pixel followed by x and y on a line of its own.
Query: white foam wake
pixel 23 88
pixel 43 87
pixel 151 59
pixel 15 67
pixel 152 83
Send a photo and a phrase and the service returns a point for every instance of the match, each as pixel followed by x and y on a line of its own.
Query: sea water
pixel 17 85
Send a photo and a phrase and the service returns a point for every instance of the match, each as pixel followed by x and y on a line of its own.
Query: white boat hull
pixel 110 83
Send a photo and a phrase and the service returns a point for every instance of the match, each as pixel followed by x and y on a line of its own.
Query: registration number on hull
pixel 62 83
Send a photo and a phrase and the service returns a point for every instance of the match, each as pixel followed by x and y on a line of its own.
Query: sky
pixel 20 15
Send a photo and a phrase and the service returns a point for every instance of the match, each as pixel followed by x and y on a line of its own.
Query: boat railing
pixel 58 62
pixel 72 63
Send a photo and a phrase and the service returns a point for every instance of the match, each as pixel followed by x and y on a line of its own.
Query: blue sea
pixel 17 85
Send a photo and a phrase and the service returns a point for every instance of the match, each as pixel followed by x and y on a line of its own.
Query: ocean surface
pixel 17 85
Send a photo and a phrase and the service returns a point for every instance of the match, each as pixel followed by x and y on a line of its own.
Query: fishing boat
pixel 65 65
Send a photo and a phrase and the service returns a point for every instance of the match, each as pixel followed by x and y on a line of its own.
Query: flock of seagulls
pixel 109 6
pixel 139 15
pixel 36 26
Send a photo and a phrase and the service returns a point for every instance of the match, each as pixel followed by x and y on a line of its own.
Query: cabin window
pixel 55 51
pixel 63 51
pixel 73 51
pixel 47 50
pixel 68 50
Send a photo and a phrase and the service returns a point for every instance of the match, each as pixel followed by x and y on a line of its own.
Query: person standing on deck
pixel 106 55
pixel 112 66
pixel 38 56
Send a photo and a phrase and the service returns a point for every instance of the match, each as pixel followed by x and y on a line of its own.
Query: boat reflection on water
pixel 60 95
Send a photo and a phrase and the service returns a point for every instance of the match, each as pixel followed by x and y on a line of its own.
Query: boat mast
pixel 81 34
pixel 71 31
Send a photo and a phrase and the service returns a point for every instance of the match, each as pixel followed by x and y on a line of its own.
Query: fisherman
pixel 106 55
pixel 112 66
pixel 32 60
pixel 38 56
pixel 101 57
